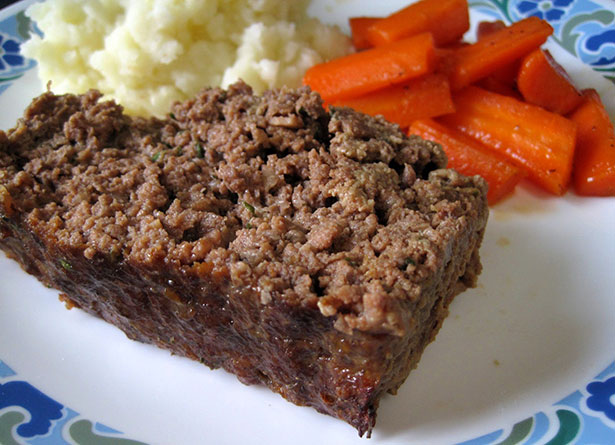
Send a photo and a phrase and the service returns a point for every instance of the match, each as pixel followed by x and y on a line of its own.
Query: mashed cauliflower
pixel 149 53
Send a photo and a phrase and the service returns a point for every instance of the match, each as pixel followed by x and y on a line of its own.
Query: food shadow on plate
pixel 519 337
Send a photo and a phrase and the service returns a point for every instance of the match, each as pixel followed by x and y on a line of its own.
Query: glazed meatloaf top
pixel 334 210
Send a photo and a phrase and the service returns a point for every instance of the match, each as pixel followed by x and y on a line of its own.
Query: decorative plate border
pixel 585 416
pixel 14 30
pixel 29 416
pixel 584 29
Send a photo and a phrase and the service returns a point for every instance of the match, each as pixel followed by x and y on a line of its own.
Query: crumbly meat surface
pixel 319 233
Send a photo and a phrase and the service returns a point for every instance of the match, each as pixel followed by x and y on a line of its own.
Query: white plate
pixel 528 355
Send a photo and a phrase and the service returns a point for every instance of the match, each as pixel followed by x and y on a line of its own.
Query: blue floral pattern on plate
pixel 548 10
pixel 601 400
pixel 29 416
pixel 9 54
pixel 583 28
pixel 13 31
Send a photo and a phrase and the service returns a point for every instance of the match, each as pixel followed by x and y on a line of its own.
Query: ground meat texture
pixel 310 251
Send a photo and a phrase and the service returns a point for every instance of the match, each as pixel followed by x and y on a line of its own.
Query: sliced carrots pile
pixel 501 108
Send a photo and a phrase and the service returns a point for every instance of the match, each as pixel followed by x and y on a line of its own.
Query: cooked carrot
pixel 542 81
pixel 540 142
pixel 447 20
pixel 358 30
pixel 497 50
pixel 594 160
pixel 468 156
pixel 503 79
pixel 507 75
pixel 366 71
pixel 456 44
pixel 496 85
pixel 485 28
pixel 419 98
pixel 445 61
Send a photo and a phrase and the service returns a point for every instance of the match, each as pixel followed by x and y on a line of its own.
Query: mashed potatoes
pixel 148 53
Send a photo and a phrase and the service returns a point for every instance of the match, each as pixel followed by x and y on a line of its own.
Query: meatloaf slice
pixel 312 252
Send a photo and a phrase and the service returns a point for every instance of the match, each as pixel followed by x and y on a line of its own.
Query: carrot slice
pixel 419 98
pixel 497 50
pixel 540 142
pixel 486 28
pixel 470 157
pixel 495 84
pixel 503 80
pixel 456 44
pixel 594 160
pixel 507 75
pixel 358 30
pixel 447 20
pixel 445 60
pixel 542 81
pixel 366 71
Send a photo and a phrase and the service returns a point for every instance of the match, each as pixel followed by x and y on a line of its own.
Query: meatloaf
pixel 311 251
